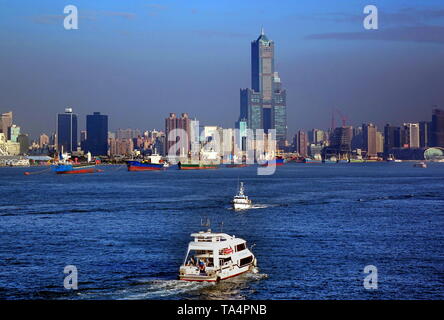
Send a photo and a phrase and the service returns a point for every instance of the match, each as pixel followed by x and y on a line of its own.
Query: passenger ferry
pixel 212 257
pixel 241 201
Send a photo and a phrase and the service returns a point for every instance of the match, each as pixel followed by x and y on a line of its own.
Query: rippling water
pixel 315 228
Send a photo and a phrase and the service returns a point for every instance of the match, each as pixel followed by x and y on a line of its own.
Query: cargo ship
pixel 143 166
pixel 278 161
pixel 196 166
pixel 153 162
pixel 74 168
pixel 238 165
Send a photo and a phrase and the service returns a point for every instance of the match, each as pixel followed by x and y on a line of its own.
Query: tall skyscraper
pixel 410 135
pixel 340 140
pixel 302 143
pixel 67 131
pixel 369 137
pixel 264 104
pixel 97 134
pixel 425 134
pixel 182 143
pixel 5 124
pixel 438 128
pixel 392 138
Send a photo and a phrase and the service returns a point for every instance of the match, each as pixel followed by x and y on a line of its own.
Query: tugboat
pixel 212 257
pixel 241 201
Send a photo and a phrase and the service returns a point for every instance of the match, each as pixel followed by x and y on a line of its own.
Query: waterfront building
pixel 379 142
pixel 121 147
pixel 67 131
pixel 23 140
pixel 97 134
pixel 392 138
pixel 302 143
pixel 13 132
pixel 410 135
pixel 369 139
pixel 43 141
pixel 340 141
pixel 437 128
pixel 182 143
pixel 264 104
pixel 425 134
pixel 5 124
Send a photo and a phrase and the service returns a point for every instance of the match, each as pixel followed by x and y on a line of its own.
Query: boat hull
pixel 139 166
pixel 218 276
pixel 197 166
pixel 70 169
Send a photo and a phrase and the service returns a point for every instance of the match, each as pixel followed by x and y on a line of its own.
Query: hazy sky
pixel 139 60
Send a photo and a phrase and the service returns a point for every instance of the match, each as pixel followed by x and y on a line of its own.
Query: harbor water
pixel 315 227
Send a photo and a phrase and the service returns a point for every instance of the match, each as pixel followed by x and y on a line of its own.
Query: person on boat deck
pixel 202 266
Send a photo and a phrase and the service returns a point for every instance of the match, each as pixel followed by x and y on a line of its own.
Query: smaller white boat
pixel 420 165
pixel 241 201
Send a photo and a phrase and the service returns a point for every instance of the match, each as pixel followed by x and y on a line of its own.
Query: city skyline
pixel 138 78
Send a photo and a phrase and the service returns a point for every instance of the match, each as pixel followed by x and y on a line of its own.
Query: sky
pixel 139 60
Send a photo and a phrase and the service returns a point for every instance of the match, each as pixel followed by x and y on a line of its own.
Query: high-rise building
pixel 410 135
pixel 340 140
pixel 67 131
pixel 13 132
pixel 392 138
pixel 97 134
pixel 182 142
pixel 43 140
pixel 425 134
pixel 264 104
pixel 5 124
pixel 369 139
pixel 23 140
pixel 302 143
pixel 316 136
pixel 379 142
pixel 438 128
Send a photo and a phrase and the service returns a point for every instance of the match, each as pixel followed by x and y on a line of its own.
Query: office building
pixel 67 131
pixel 97 134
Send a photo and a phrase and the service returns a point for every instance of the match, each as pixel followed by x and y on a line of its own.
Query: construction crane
pixel 344 118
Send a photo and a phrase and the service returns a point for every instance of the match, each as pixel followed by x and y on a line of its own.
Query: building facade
pixel 67 131
pixel 264 105
pixel 181 142
pixel 97 134
pixel 437 129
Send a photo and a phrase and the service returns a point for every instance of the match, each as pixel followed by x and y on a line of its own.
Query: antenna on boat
pixel 221 226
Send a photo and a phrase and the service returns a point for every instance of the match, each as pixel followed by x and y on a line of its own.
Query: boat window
pixel 240 247
pixel 224 261
pixel 246 261
pixel 194 256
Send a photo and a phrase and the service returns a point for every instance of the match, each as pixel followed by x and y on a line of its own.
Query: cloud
pixel 431 34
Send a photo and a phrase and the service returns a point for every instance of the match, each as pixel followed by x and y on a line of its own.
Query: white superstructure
pixel 241 201
pixel 216 256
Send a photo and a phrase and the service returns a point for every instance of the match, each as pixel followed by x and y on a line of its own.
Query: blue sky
pixel 139 60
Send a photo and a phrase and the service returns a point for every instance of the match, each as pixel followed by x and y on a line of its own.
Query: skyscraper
pixel 264 105
pixel 302 143
pixel 438 128
pixel 5 124
pixel 67 131
pixel 183 143
pixel 425 134
pixel 392 138
pixel 410 135
pixel 369 137
pixel 97 134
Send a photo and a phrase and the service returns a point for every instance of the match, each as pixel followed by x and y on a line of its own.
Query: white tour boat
pixel 214 256
pixel 241 201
